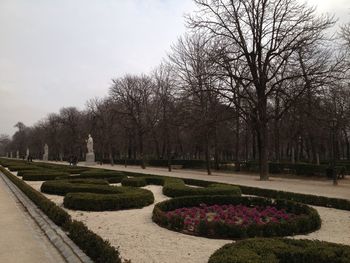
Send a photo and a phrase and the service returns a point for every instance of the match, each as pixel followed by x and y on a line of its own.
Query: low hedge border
pixel 177 187
pixel 331 202
pixel 110 176
pixel 63 168
pixel 43 176
pixel 93 245
pixel 281 250
pixel 134 182
pixel 15 168
pixel 307 218
pixel 97 195
pixel 36 171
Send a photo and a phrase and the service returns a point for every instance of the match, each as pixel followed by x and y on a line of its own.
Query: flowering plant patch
pixel 239 215
pixel 226 216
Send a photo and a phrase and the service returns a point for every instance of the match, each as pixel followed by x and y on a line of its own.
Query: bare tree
pixel 4 142
pixel 195 70
pixel 136 95
pixel 165 88
pixel 103 125
pixel 265 34
pixel 346 33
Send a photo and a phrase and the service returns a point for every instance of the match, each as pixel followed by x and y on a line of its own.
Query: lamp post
pixel 333 122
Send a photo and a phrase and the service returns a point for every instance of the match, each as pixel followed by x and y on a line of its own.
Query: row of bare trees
pixel 251 80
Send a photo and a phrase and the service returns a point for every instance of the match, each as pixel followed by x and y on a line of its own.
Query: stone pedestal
pixel 90 159
pixel 45 157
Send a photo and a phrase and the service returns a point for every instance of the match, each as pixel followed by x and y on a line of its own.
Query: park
pixel 234 149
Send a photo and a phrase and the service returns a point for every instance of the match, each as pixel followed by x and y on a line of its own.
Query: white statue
pixel 46 149
pixel 90 144
pixel 27 152
pixel 17 154
pixel 46 152
pixel 90 156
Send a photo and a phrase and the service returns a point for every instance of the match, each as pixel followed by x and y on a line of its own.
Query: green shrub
pixel 93 245
pixel 331 202
pixel 305 221
pixel 97 195
pixel 14 168
pixel 63 168
pixel 121 198
pixel 177 187
pixel 63 187
pixel 34 171
pixel 280 250
pixel 135 182
pixel 110 176
pixel 42 176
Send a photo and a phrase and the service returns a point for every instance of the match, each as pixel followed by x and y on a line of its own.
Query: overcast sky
pixel 55 54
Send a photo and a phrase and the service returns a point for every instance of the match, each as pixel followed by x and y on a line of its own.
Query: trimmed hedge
pixel 63 168
pixel 36 171
pixel 122 198
pixel 15 168
pixel 134 182
pixel 43 176
pixel 97 195
pixel 306 220
pixel 110 176
pixel 281 250
pixel 331 202
pixel 93 245
pixel 177 187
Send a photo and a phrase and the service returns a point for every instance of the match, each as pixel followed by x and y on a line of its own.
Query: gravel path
pixel 143 241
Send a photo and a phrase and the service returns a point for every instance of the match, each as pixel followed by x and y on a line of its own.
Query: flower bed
pixel 235 217
pixel 239 215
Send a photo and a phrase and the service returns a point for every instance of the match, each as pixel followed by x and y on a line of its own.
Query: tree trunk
pixel 347 143
pixel 207 155
pixel 168 148
pixel 110 153
pixel 237 145
pixel 142 159
pixel 216 152
pixel 263 151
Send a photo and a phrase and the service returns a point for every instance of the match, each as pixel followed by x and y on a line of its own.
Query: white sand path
pixel 143 241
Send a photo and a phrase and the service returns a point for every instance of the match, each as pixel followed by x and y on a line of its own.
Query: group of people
pixel 29 158
pixel 73 160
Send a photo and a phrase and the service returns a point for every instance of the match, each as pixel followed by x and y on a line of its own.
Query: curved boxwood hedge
pixel 43 176
pixel 110 176
pixel 177 187
pixel 97 195
pixel 174 187
pixel 306 220
pixel 134 182
pixel 32 171
pixel 14 168
pixel 281 250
